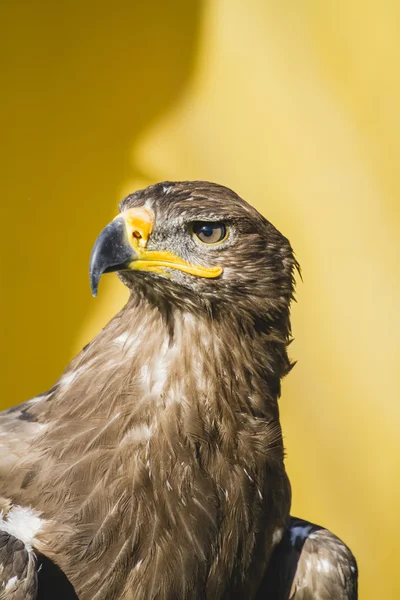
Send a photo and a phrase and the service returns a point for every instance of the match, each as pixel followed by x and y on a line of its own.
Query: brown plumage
pixel 154 467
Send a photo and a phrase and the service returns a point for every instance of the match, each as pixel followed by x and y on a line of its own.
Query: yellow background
pixel 296 106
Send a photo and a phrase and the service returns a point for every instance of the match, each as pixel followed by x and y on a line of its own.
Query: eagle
pixel 154 467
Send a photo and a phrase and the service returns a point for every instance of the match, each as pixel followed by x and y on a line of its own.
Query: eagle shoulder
pixel 18 569
pixel 310 563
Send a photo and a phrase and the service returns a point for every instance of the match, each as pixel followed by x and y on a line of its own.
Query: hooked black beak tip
pixel 111 252
pixel 94 283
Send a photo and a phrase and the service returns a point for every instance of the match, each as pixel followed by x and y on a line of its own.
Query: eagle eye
pixel 210 233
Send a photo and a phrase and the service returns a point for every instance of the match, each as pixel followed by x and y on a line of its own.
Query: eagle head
pixel 197 243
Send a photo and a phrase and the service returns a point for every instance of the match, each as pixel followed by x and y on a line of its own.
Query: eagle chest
pixel 184 506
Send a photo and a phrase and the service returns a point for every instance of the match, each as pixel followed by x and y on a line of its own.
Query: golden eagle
pixel 154 468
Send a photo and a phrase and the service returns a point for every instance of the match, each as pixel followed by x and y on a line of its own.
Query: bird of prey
pixel 154 467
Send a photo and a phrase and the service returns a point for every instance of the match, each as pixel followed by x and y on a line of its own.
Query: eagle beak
pixel 122 246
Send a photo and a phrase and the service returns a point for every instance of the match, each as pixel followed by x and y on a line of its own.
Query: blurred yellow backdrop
pixel 295 105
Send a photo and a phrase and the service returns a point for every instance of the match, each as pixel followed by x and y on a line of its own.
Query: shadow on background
pixel 82 81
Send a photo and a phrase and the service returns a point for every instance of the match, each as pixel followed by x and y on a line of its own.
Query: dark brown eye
pixel 210 233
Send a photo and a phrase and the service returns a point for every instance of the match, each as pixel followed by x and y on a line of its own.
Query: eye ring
pixel 210 233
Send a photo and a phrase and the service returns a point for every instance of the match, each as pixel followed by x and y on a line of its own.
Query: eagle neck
pixel 165 422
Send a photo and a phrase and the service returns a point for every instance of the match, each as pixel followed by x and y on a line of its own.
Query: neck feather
pixel 165 418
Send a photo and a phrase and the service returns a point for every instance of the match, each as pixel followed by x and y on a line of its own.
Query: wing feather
pixel 18 571
pixel 310 563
